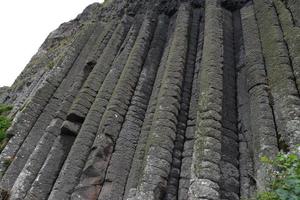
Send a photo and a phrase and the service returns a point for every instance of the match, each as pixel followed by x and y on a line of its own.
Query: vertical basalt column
pixel 205 172
pixel 48 173
pixel 64 142
pixel 186 160
pixel 46 100
pixel 120 163
pixel 39 155
pixel 45 179
pixel 60 144
pixel 247 183
pixel 137 162
pixel 28 116
pixel 99 41
pixel 35 134
pixel 174 176
pixel 291 34
pixel 74 164
pixel 280 73
pixel 94 173
pixel 29 144
pixel 87 94
pixel 79 70
pixel 160 144
pixel 159 100
pixel 229 165
pixel 263 127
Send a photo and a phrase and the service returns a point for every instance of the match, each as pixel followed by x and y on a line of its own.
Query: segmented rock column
pixel 205 171
pixel 156 100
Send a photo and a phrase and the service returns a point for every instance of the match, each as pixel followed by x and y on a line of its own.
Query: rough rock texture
pixel 156 100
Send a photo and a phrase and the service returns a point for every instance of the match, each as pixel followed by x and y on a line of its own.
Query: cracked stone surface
pixel 156 100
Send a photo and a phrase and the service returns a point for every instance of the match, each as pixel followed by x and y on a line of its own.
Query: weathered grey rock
pixel 261 111
pixel 113 117
pixel 39 111
pixel 209 116
pixel 156 100
pixel 120 162
pixel 73 166
pixel 158 158
pixel 281 76
pixel 137 163
pixel 3 94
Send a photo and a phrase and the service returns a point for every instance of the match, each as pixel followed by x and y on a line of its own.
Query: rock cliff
pixel 156 100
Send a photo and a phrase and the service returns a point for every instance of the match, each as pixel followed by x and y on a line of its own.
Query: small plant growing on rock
pixel 5 123
pixel 4 108
pixel 285 183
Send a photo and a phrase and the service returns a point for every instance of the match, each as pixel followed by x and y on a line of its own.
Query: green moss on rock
pixel 5 123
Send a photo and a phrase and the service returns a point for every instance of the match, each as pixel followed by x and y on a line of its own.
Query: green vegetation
pixel 4 109
pixel 285 183
pixel 5 123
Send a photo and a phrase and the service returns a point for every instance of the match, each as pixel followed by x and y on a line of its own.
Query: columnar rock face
pixel 156 100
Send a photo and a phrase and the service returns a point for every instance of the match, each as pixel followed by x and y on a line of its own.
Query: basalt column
pixel 156 100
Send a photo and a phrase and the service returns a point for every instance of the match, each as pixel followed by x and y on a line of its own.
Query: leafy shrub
pixel 285 183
